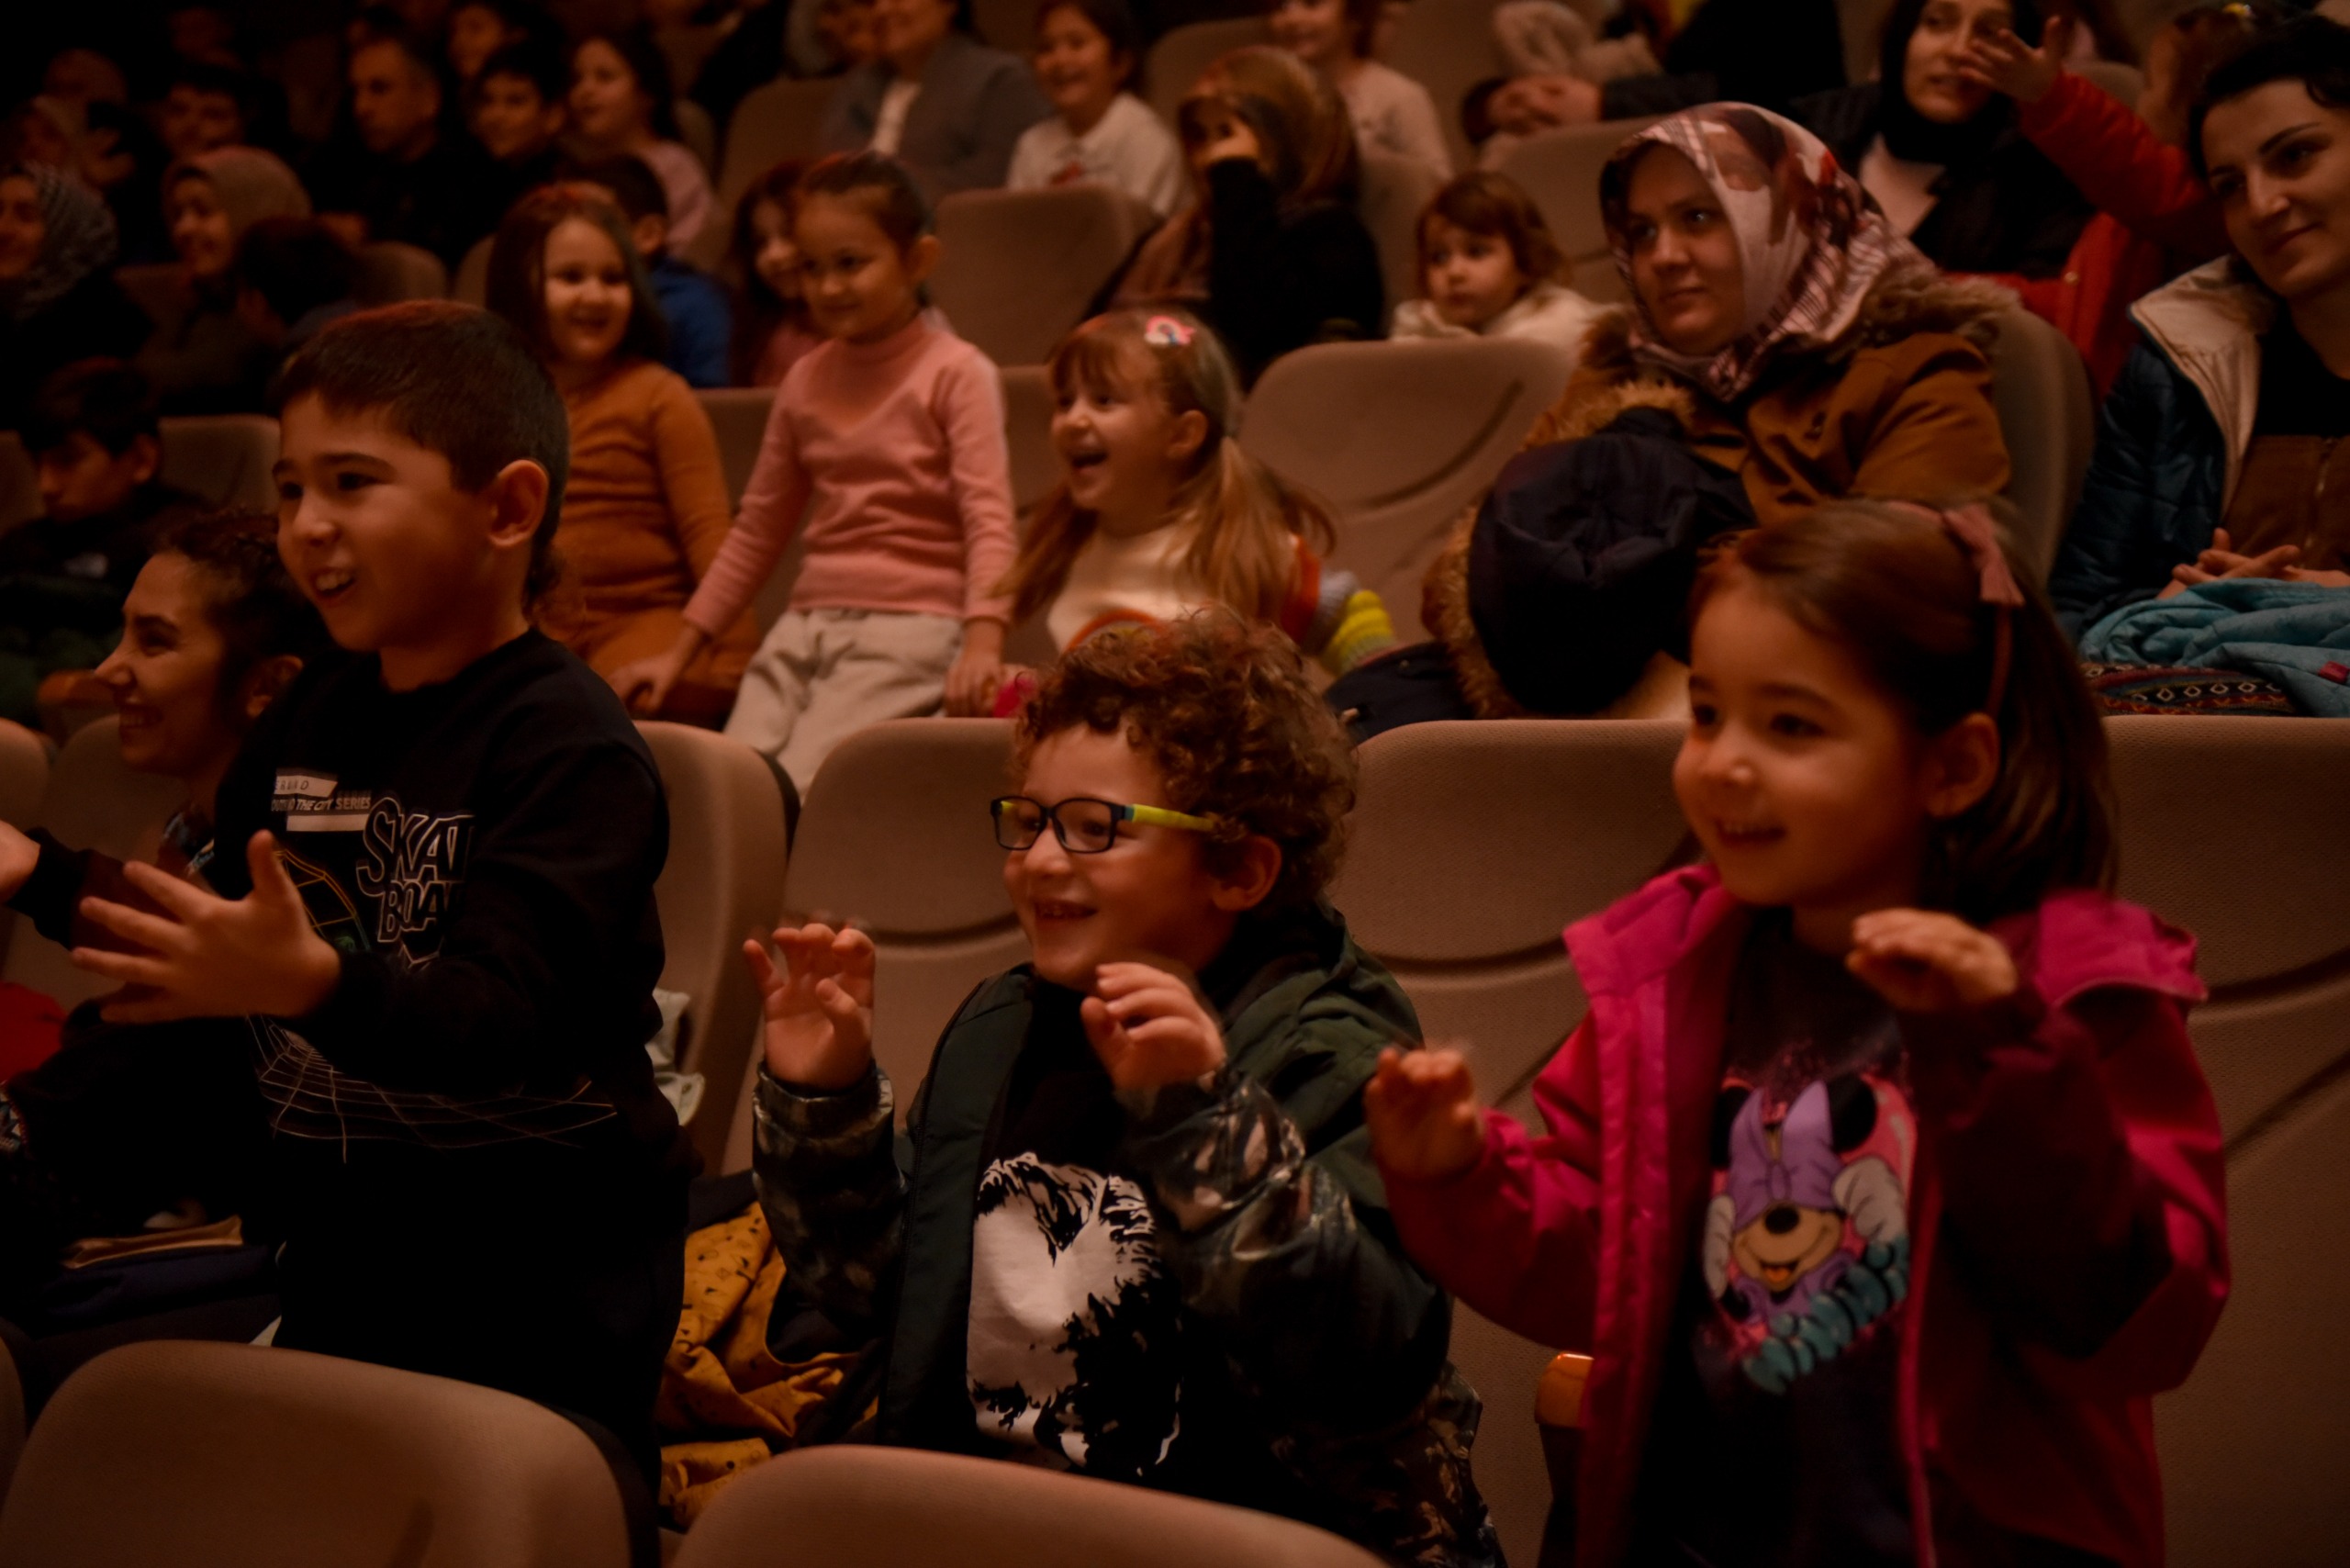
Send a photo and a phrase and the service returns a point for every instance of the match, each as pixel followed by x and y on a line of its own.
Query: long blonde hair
pixel 1246 522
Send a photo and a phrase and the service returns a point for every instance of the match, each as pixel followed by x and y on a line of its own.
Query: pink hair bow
pixel 1972 526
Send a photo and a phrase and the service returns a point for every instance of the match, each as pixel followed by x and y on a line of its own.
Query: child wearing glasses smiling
pixel 1140 1236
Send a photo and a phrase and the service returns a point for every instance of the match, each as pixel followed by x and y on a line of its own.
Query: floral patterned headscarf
pixel 1811 242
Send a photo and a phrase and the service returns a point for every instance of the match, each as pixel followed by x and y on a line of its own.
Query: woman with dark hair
pixel 646 508
pixel 2216 448
pixel 1270 251
pixel 59 301
pixel 620 103
pixel 938 100
pixel 1087 55
pixel 202 358
pixel 1941 153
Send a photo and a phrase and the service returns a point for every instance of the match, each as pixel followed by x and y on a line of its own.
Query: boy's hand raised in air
pixel 1149 1027
pixel 1924 961
pixel 819 1030
pixel 213 958
pixel 2005 63
pixel 1425 1120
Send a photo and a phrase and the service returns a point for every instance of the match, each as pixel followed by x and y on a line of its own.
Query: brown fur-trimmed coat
pixel 1899 407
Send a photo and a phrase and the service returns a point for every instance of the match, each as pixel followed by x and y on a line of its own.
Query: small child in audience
pixel 646 511
pixel 96 448
pixel 889 438
pixel 1489 268
pixel 519 113
pixel 692 303
pixel 1087 55
pixel 1139 1235
pixel 1161 513
pixel 1881 1172
pixel 1393 114
pixel 436 937
pixel 619 102
pixel 771 326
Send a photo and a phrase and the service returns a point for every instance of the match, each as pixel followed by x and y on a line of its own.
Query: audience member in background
pixel 1784 347
pixel 293 275
pixel 1159 514
pixel 207 107
pixel 473 1171
pixel 1943 153
pixel 1087 53
pixel 939 101
pixel 519 98
pixel 645 512
pixel 407 178
pixel 888 441
pixel 1393 114
pixel 772 326
pixel 84 76
pixel 1489 268
pixel 795 37
pixel 1270 251
pixel 1769 53
pixel 112 149
pixel 620 105
pixel 478 30
pixel 1884 1119
pixel 201 357
pixel 59 301
pixel 2155 219
pixel 693 304
pixel 2216 452
pixel 91 434
pixel 1137 1234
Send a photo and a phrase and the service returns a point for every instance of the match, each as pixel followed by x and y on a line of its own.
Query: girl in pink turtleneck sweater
pixel 889 440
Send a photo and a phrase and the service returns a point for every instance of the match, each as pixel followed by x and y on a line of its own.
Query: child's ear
pixel 1250 880
pixel 922 260
pixel 650 233
pixel 146 455
pixel 1187 435
pixel 518 499
pixel 1962 762
pixel 266 682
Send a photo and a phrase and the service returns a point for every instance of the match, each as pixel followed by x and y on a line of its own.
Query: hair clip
pixel 1166 332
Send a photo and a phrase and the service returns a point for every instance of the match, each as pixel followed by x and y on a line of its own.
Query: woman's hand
pixel 1151 1028
pixel 644 685
pixel 2005 63
pixel 1922 961
pixel 819 1006
pixel 1422 1108
pixel 978 671
pixel 2223 560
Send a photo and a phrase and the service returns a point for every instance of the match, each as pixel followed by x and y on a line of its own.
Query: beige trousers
pixel 823 675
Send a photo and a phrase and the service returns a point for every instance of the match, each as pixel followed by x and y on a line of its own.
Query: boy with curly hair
pixel 1140 1236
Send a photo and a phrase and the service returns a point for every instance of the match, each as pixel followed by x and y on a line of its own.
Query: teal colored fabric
pixel 2297 635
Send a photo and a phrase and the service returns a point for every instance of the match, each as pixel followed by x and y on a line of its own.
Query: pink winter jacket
pixel 2069 1143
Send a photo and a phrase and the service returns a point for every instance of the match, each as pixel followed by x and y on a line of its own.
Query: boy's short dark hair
pixel 295 264
pixel 454 380
pixel 535 61
pixel 249 595
pixel 636 189
pixel 110 402
pixel 2311 50
pixel 213 77
pixel 1223 708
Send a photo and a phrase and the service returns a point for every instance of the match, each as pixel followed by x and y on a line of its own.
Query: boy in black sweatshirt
pixel 436 913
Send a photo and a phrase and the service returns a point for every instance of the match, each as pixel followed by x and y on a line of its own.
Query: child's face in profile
pixel 165 675
pixel 777 256
pixel 1149 895
pixel 1317 31
pixel 81 479
pixel 1470 278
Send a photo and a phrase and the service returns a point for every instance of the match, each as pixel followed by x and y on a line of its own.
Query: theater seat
pixel 1028 428
pixel 188 1455
pixel 1182 55
pixel 2219 822
pixel 24 774
pixel 1397 438
pixel 93 801
pixel 895 837
pixel 1447 46
pixel 225 458
pixel 1393 191
pixel 1017 269
pixel 471 286
pixel 1560 169
pixel 2124 82
pixel 725 874
pixel 1008 25
pixel 19 483
pixel 739 415
pixel 391 272
pixel 782 119
pixel 862 1507
pixel 2041 389
pixel 1862 23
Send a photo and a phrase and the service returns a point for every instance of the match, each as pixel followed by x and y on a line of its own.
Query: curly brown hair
pixel 1223 710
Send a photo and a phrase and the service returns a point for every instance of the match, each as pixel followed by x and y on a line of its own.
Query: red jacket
pixel 2155 220
pixel 2061 1135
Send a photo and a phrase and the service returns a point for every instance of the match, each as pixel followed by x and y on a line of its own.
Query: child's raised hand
pixel 213 958
pixel 819 1005
pixel 2005 63
pixel 1924 961
pixel 1422 1108
pixel 1149 1027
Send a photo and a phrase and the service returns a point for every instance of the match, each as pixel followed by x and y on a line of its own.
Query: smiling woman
pixel 200 357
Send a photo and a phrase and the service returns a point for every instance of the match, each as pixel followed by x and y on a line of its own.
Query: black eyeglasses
pixel 1084 825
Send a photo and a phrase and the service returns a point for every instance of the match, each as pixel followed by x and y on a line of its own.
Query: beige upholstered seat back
pixel 725 875
pixel 2224 823
pixel 391 272
pixel 1397 438
pixel 1560 169
pixel 2041 389
pixel 2123 81
pixel 782 119
pixel 93 801
pixel 471 286
pixel 860 1506
pixel 894 836
pixel 739 415
pixel 1863 25
pixel 1447 46
pixel 198 1455
pixel 24 774
pixel 1391 192
pixel 225 458
pixel 1028 427
pixel 1182 55
pixel 1017 269
pixel 1009 25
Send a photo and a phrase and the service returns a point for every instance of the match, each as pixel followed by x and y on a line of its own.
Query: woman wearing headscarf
pixel 1782 346
pixel 1270 251
pixel 200 357
pixel 58 300
pixel 1943 153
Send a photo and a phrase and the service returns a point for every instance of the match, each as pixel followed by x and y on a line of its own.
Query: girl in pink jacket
pixel 1880 1183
